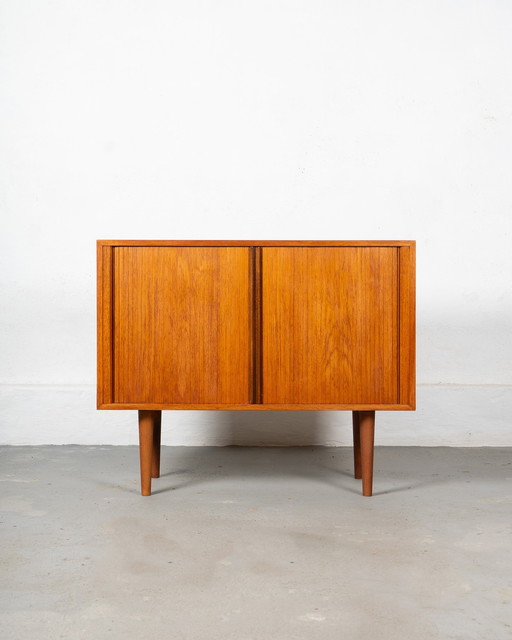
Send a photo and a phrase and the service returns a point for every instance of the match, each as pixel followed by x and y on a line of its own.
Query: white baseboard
pixel 447 415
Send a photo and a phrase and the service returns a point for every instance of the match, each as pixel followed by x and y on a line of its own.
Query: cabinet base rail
pixel 150 430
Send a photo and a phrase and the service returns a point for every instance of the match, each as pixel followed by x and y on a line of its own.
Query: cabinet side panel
pixel 104 325
pixel 181 325
pixel 330 329
pixel 407 257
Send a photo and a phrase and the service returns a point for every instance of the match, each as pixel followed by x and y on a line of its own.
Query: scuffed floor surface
pixel 255 544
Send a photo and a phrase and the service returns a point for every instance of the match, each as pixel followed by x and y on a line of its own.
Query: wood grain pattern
pixel 330 331
pixel 182 327
pixel 104 332
pixel 407 289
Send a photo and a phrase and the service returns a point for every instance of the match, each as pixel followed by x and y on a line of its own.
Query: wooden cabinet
pixel 243 325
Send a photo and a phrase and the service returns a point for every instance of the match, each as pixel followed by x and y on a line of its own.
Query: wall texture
pixel 299 119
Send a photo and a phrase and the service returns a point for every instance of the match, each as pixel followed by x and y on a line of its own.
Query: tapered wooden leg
pixel 366 434
pixel 147 422
pixel 357 444
pixel 157 436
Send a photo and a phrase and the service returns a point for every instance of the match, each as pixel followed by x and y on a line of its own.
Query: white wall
pixel 299 119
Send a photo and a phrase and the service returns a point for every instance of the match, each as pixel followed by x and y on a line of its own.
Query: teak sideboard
pixel 256 325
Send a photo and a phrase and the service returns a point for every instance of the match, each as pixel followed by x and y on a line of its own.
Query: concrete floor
pixel 256 544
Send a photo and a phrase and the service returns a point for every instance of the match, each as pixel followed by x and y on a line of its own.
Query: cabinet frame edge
pixel 257 407
pixel 105 351
pixel 256 243
pixel 407 325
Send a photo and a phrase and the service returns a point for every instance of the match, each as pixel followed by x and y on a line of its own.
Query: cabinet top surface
pixel 257 243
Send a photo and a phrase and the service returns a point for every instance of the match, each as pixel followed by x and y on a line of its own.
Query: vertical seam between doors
pixel 256 385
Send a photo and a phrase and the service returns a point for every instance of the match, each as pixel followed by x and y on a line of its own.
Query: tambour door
pixel 181 325
pixel 330 319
